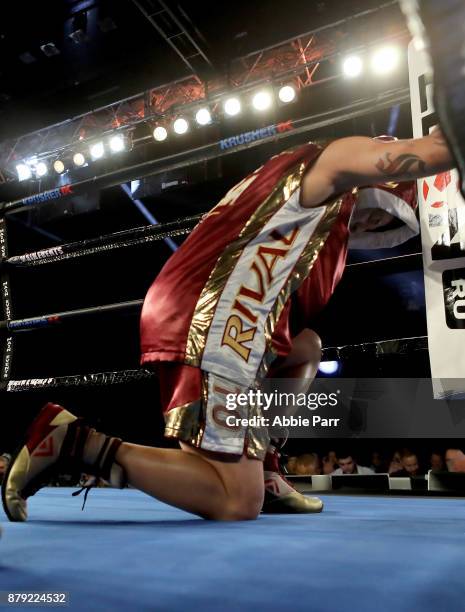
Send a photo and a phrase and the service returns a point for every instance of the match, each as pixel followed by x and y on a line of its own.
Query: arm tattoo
pixel 406 164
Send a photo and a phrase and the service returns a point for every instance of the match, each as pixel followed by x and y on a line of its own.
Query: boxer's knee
pixel 313 343
pixel 245 491
pixel 306 348
pixel 242 507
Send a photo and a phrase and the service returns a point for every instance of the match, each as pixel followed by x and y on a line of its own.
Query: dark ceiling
pixel 123 54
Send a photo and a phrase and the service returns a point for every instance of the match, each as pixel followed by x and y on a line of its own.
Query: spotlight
pixel 58 166
pixel 203 116
pixel 97 150
pixel 329 367
pixel 79 159
pixel 180 126
pixel 232 106
pixel 286 94
pixel 262 100
pixel 352 66
pixel 385 60
pixel 160 133
pixel 41 169
pixel 116 144
pixel 24 172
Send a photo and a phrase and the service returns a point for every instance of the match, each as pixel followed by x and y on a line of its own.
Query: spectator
pixel 348 465
pixel 332 456
pixel 377 462
pixel 455 460
pixel 396 462
pixel 410 466
pixel 308 465
pixel 436 462
pixel 4 462
pixel 290 465
pixel 328 465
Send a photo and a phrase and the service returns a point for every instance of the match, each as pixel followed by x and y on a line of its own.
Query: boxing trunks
pixel 218 314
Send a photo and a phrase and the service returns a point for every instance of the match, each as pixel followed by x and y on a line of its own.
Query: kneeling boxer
pixel 233 305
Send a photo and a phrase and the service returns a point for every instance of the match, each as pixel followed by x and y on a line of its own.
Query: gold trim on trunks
pixel 187 422
pixel 206 304
pixel 300 272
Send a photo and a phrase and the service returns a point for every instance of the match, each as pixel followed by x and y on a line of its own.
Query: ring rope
pixel 48 320
pixel 343 353
pixel 98 379
pixel 109 242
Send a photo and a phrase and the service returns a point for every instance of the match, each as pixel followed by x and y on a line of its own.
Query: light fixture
pixel 203 116
pixel 97 150
pixel 58 166
pixel 329 367
pixel 262 100
pixel 41 169
pixel 385 60
pixel 24 172
pixel 232 106
pixel 79 159
pixel 352 66
pixel 116 144
pixel 160 133
pixel 286 93
pixel 180 126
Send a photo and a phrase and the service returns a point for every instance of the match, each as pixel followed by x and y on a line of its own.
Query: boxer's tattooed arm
pixel 407 164
pixel 438 137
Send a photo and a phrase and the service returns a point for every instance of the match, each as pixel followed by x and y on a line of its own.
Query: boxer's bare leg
pixel 297 371
pixel 295 375
pixel 196 481
pixel 212 486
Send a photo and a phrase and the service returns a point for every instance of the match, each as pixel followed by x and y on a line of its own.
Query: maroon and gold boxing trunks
pixel 195 406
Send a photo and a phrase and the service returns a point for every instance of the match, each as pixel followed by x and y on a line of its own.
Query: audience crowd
pixel 402 462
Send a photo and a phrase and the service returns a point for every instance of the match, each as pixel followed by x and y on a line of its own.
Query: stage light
pixel 117 144
pixel 79 159
pixel 203 116
pixel 97 150
pixel 385 60
pixel 232 106
pixel 160 133
pixel 329 367
pixel 262 100
pixel 180 126
pixel 24 172
pixel 286 93
pixel 352 66
pixel 41 169
pixel 58 166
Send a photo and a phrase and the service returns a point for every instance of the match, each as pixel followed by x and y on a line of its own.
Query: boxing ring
pixel 128 551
